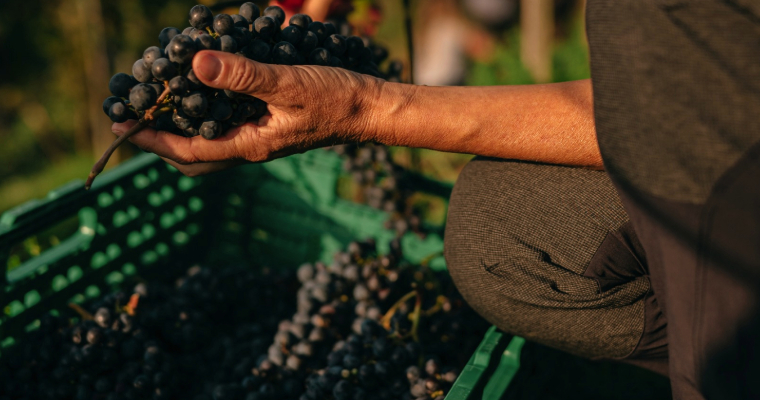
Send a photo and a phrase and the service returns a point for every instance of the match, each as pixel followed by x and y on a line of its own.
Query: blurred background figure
pixel 452 35
pixel 364 16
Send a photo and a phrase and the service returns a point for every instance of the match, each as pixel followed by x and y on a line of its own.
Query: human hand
pixel 308 107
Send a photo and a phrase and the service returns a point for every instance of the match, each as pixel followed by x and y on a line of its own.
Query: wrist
pixel 383 112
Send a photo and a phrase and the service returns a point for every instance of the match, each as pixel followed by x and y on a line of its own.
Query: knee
pixel 518 239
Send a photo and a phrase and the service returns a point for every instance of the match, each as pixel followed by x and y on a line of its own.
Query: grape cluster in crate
pixel 367 326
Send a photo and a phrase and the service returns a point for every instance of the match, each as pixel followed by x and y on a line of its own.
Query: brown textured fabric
pixel 674 82
pixel 519 238
pixel 677 99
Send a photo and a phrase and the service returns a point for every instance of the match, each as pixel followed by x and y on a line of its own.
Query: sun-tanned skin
pixel 314 106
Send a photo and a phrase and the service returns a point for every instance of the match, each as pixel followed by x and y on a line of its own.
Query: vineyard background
pixel 61 53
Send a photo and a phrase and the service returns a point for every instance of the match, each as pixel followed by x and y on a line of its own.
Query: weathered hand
pixel 308 107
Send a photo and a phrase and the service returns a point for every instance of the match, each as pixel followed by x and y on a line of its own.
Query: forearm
pixel 551 123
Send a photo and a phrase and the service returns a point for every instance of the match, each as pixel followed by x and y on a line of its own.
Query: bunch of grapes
pixel 159 342
pixel 381 180
pixel 164 91
pixel 368 326
pixel 361 325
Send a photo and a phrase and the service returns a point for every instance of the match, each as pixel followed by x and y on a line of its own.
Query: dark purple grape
pixel 182 120
pixel 237 118
pixel 251 109
pixel 351 361
pixel 141 382
pixel 292 35
pixel 232 95
pixel 143 97
pixel 319 29
pixel 220 110
pixel 330 28
pixel 151 54
pixel 319 56
pixel 242 36
pixel 308 43
pixel 302 21
pixel 198 33
pixel 379 54
pixel 354 45
pixel 165 123
pixel 166 36
pixel 195 104
pixel 276 13
pixel 285 53
pixel 360 394
pixel 395 68
pixel 413 374
pixel 200 17
pixel 187 31
pixel 181 49
pixel 250 11
pixel 211 129
pixel 223 24
pixel 205 42
pixel 103 385
pixel 120 84
pixel 192 131
pixel 414 350
pixel 343 390
pixel 227 44
pixel 179 85
pixel 119 112
pixel 163 69
pixel 157 87
pixel 371 329
pixel 366 375
pixel 258 50
pixel 240 21
pixel 195 83
pixel 265 27
pixel 102 317
pixel 109 101
pixel 400 357
pixel 383 369
pixel 83 392
pixel 335 44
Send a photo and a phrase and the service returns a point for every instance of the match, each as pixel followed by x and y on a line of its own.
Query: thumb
pixel 222 70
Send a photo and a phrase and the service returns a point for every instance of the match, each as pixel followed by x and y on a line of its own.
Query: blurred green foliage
pixel 569 60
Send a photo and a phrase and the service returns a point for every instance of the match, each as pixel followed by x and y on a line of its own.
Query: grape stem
pixel 386 320
pixel 415 317
pixel 86 316
pixel 141 124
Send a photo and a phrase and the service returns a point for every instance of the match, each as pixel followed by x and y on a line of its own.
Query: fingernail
pixel 117 132
pixel 208 66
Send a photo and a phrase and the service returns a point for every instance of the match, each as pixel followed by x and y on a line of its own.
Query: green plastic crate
pixel 146 218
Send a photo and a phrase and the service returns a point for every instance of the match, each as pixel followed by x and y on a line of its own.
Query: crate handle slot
pixel 88 221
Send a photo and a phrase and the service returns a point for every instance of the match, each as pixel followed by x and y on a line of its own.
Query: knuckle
pixel 243 76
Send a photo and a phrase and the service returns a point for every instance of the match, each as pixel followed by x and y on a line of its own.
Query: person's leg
pixel 548 253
